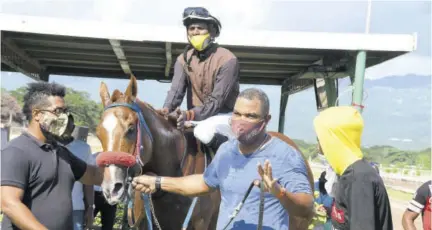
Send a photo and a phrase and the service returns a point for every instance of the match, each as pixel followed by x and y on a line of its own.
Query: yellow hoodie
pixel 339 131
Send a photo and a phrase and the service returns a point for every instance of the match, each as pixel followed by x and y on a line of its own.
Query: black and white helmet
pixel 193 14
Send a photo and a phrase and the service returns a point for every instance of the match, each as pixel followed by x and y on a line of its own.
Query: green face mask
pixel 200 42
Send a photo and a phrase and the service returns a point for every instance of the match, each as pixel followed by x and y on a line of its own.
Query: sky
pixel 397 17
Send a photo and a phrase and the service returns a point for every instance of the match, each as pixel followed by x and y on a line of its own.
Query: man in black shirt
pixel 361 200
pixel 37 172
pixel 420 204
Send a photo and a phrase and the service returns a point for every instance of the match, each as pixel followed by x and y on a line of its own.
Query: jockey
pixel 210 75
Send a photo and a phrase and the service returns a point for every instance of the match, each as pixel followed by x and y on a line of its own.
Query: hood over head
pixel 339 130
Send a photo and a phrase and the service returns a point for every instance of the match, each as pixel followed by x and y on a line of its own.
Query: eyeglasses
pixel 57 111
pixel 196 11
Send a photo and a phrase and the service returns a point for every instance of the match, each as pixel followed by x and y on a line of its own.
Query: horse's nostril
pixel 117 187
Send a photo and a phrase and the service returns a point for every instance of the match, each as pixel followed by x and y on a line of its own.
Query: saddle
pixel 198 153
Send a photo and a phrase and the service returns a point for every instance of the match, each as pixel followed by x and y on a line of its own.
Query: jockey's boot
pixel 217 141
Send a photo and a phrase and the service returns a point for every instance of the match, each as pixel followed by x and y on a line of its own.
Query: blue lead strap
pixel 189 214
pixel 146 199
pixel 195 199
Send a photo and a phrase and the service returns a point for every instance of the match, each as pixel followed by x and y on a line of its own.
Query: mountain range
pixel 397 112
pixel 397 108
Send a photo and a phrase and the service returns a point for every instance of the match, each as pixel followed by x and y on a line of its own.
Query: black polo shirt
pixel 46 173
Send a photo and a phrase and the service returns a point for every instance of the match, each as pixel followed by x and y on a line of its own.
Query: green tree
pixel 86 112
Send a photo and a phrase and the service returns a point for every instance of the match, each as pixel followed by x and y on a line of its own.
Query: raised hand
pixel 270 184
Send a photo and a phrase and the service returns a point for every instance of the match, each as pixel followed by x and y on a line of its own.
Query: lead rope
pixel 240 206
pixel 153 213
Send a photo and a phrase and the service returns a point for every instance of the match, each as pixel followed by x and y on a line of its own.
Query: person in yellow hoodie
pixel 361 200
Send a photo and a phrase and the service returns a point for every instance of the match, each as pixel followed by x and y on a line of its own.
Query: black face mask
pixel 67 137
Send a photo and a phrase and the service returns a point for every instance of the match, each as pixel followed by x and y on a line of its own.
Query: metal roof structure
pixel 40 46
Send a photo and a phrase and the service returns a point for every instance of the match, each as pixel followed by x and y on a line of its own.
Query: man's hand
pixel 88 217
pixel 178 117
pixel 144 183
pixel 163 112
pixel 271 185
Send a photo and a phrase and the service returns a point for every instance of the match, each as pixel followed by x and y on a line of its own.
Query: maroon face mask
pixel 247 132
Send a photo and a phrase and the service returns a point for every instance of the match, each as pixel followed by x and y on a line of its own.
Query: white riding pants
pixel 206 129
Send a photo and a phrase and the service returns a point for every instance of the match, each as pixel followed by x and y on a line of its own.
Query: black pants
pixel 108 212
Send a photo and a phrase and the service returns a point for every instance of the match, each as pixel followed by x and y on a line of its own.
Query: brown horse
pixel 164 152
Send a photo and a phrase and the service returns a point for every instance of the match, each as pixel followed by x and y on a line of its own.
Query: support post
pixel 331 91
pixel 282 108
pixel 360 66
pixel 44 76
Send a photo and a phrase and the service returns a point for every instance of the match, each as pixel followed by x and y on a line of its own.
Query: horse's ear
pixel 104 94
pixel 131 91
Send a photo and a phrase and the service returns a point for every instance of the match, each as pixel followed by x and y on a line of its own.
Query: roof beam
pixel 19 60
pixel 168 54
pixel 292 86
pixel 121 57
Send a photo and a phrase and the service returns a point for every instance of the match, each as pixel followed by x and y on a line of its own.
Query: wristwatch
pixel 158 183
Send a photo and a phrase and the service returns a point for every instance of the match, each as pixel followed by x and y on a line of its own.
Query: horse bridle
pixel 138 152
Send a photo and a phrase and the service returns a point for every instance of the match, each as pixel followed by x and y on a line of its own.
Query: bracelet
pixel 158 183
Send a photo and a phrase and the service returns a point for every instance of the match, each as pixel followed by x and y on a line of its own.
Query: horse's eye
pixel 131 130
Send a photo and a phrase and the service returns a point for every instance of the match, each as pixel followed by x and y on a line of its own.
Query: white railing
pixel 402 174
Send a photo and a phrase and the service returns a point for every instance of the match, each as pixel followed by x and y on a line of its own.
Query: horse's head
pixel 125 139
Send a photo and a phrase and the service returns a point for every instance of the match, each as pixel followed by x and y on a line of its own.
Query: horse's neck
pixel 165 142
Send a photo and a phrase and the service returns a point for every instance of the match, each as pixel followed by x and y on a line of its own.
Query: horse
pixel 165 151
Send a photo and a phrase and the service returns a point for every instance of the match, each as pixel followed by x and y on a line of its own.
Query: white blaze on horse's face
pixel 110 122
pixel 114 187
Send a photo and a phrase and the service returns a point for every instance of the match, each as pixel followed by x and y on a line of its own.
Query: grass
pixel 393 194
pixel 399 195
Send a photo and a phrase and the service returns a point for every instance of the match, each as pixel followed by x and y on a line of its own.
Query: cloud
pixel 111 10
pixel 400 140
pixel 240 13
pixel 403 65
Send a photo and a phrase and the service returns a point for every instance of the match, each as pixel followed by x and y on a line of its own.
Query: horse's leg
pixel 216 199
